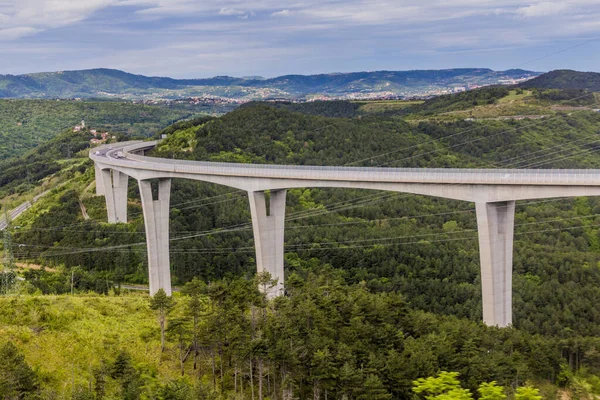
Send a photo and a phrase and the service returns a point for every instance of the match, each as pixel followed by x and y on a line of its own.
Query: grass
pixel 65 338
pixel 373 106
pixel 513 96
pixel 511 105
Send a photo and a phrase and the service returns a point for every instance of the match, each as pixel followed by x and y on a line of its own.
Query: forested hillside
pixel 327 338
pixel 25 124
pixel 383 288
pixel 565 79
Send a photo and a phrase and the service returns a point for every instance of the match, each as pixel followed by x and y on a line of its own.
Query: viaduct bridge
pixel 493 191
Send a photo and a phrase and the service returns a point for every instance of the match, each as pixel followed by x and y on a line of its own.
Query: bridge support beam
pixel 99 182
pixel 114 187
pixel 495 223
pixel 268 230
pixel 156 221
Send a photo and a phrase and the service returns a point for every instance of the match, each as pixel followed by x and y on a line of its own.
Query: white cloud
pixel 282 13
pixel 333 32
pixel 230 11
pixel 17 32
pixel 235 12
pixel 204 58
pixel 542 9
pixel 26 17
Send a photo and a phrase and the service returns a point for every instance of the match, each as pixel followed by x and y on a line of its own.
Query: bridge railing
pixel 337 173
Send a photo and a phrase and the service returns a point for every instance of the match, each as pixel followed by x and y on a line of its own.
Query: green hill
pixel 264 134
pixel 25 124
pixel 565 79
pixel 383 288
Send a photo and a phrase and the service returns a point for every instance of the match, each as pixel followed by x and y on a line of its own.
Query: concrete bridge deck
pixel 494 192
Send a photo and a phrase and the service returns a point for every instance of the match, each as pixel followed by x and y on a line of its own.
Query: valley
pixel 381 289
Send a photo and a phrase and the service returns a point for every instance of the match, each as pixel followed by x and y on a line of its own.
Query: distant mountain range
pixel 110 83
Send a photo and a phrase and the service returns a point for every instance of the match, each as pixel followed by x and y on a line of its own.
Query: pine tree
pixel 162 304
pixel 373 389
pixel 196 306
pixel 17 379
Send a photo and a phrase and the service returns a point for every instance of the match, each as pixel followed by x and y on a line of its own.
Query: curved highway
pixel 494 192
pixel 126 155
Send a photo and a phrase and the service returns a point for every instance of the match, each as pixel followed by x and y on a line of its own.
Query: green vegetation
pixel 326 338
pixel 386 106
pixel 25 124
pixel 447 386
pixel 335 108
pixel 565 79
pixel 16 377
pixel 461 101
pixel 382 288
pixel 343 109
pixel 65 155
pixel 366 234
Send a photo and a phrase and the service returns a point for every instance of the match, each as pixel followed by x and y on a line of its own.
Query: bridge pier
pixel 268 231
pixel 114 188
pixel 495 226
pixel 99 181
pixel 493 191
pixel 156 221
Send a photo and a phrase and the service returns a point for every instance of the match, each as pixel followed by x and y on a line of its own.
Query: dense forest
pixel 325 339
pixel 382 288
pixel 25 124
pixel 565 79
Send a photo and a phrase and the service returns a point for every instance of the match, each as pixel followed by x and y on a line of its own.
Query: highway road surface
pixel 16 212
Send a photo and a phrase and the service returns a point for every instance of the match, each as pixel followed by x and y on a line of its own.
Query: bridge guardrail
pixel 337 173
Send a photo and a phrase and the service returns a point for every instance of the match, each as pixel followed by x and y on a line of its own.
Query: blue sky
pixel 192 38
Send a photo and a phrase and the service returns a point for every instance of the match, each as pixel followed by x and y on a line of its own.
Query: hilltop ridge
pixel 112 83
pixel 565 79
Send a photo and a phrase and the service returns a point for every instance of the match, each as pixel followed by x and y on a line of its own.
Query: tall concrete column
pixel 99 182
pixel 268 235
pixel 156 221
pixel 115 190
pixel 495 223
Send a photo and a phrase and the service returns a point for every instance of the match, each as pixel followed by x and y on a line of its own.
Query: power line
pixel 120 247
pixel 250 249
pixel 556 52
pixel 561 147
pixel 545 120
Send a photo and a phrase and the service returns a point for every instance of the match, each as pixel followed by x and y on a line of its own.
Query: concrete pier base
pixel 156 221
pixel 268 230
pixel 495 223
pixel 114 186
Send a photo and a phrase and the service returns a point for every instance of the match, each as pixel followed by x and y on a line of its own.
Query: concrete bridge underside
pixel 494 193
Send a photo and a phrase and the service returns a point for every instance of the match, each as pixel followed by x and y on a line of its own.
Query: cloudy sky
pixel 202 38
